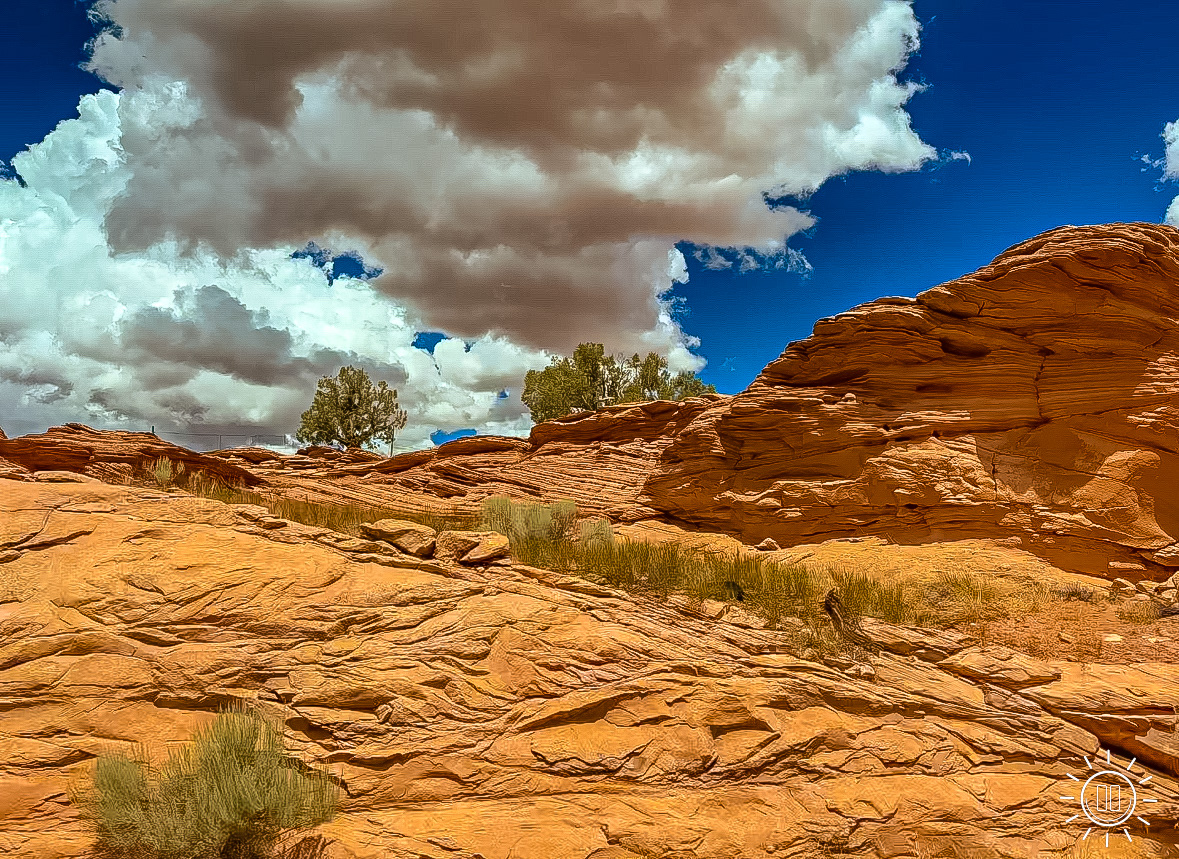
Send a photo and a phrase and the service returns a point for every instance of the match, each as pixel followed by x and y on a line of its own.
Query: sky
pixel 206 206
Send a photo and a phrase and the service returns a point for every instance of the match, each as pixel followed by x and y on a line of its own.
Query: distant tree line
pixel 351 411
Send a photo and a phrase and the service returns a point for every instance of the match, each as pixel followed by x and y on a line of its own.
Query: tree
pixel 351 410
pixel 590 379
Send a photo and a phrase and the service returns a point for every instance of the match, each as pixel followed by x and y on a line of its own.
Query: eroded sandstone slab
pixel 514 711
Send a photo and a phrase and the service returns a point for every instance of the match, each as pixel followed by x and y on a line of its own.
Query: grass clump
pixel 963 597
pixel 163 472
pixel 1140 611
pixel 230 795
pixel 1080 593
pixel 540 534
pixel 344 518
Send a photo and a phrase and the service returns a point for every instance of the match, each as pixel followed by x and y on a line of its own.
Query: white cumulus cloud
pixel 1171 167
pixel 520 175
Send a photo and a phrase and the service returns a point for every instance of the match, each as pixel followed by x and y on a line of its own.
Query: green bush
pixel 229 796
pixel 540 534
pixel 162 472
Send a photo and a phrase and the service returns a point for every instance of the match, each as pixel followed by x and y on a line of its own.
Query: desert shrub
pixel 230 795
pixel 1075 591
pixel 1140 611
pixel 164 473
pixel 541 535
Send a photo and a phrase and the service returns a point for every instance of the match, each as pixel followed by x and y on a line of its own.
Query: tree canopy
pixel 591 379
pixel 352 411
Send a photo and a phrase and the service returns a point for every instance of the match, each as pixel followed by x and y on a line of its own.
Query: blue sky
pixel 1032 115
pixel 1056 103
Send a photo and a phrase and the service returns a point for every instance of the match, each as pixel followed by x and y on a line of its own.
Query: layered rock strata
pixel 1030 400
pixel 494 710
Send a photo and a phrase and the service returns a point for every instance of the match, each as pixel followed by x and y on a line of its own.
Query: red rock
pixel 469 711
pixel 1030 399
pixel 252 455
pixel 78 448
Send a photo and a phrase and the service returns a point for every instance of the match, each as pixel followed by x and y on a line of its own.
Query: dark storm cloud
pixel 521 167
pixel 212 330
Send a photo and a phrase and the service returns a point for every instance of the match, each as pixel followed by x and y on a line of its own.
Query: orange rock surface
pixel 471 706
pixel 502 711
pixel 1033 398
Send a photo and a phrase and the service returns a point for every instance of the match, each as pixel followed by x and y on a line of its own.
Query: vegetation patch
pixel 233 795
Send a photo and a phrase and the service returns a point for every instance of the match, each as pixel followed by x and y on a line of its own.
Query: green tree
pixel 591 379
pixel 351 410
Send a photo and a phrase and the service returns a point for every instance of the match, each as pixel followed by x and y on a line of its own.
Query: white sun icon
pixel 1108 798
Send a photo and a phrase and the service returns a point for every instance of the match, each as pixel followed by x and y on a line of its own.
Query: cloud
pixel 197 343
pixel 1171 167
pixel 515 176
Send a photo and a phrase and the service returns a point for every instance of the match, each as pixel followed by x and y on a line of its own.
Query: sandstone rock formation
pixel 476 707
pixel 1031 399
pixel 499 710
pixel 110 456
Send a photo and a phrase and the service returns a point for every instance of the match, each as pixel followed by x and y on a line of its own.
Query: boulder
pixel 768 545
pixel 411 537
pixel 471 547
pixel 491 548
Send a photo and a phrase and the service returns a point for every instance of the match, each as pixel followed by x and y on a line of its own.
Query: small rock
pixel 1124 565
pixel 1140 598
pixel 861 671
pixel 490 548
pixel 712 608
pixel 1066 638
pixel 768 545
pixel 1111 637
pixel 740 617
pixel 409 537
pixel 452 545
